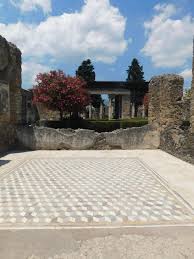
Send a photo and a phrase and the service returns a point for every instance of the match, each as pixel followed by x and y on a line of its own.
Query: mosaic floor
pixel 87 191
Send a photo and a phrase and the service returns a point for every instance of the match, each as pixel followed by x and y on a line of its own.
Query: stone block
pixel 165 100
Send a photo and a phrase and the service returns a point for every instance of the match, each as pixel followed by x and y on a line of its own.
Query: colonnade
pixel 119 107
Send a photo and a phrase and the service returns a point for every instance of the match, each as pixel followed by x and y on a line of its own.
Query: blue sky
pixel 59 34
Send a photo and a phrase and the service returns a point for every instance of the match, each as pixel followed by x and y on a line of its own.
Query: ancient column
pixel 101 111
pixel 126 100
pixel 110 108
pixel 143 111
pixel 133 111
pixel 90 111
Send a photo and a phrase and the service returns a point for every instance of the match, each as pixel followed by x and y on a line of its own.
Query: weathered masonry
pixel 10 92
pixel 10 82
pixel 165 106
pixel 192 95
pixel 192 106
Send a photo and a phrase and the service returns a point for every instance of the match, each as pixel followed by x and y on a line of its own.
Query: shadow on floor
pixel 4 162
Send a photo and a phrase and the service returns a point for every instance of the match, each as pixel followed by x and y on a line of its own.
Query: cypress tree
pixel 86 71
pixel 135 71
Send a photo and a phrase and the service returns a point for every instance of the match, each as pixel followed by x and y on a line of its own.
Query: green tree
pixel 86 71
pixel 135 71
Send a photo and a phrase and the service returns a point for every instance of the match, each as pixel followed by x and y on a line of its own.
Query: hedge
pixel 97 125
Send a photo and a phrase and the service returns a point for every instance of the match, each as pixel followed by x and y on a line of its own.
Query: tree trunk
pixel 75 115
pixel 61 115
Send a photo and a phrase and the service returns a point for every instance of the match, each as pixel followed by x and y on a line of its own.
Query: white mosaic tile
pixel 87 191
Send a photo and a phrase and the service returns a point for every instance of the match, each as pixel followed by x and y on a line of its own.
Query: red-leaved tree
pixel 60 92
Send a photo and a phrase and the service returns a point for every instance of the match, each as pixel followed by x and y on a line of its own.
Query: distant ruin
pixel 125 99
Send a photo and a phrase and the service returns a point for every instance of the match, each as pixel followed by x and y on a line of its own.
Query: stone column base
pixel 126 106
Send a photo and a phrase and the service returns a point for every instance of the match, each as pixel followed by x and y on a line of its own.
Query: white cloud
pixel 30 5
pixel 186 73
pixel 97 32
pixel 30 69
pixel 169 42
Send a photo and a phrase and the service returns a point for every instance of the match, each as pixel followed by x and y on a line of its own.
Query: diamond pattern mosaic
pixel 57 191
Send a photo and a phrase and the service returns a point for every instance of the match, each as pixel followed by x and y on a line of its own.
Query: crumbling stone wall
pixel 4 102
pixel 165 100
pixel 10 93
pixel 36 138
pixel 192 121
pixel 7 136
pixel 166 114
pixel 192 99
pixel 186 109
pixel 154 102
pixel 10 76
pixel 192 110
pixel 192 105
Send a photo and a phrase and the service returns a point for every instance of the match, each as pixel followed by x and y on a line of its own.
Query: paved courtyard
pixel 96 204
pixel 53 189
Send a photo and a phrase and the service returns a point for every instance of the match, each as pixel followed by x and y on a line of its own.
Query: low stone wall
pixel 178 142
pixel 7 136
pixel 36 138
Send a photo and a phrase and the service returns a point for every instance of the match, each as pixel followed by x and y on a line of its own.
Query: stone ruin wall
pixel 165 104
pixel 10 92
pixel 192 100
pixel 186 109
pixel 167 113
pixel 192 121
pixel 36 138
pixel 192 109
